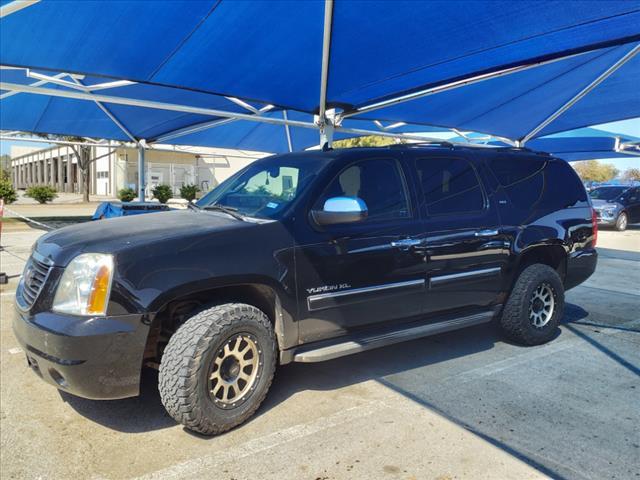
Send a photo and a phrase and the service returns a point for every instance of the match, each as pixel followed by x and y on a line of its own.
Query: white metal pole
pixel 141 182
pixel 326 50
pixel 287 132
pixel 581 94
pixel 150 104
pixel 454 85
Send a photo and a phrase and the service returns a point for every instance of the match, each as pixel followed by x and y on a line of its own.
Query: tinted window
pixel 563 187
pixel 513 169
pixel 607 193
pixel 521 177
pixel 265 188
pixel 449 185
pixel 378 182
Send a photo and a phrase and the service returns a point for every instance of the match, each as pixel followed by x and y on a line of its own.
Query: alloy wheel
pixel 541 305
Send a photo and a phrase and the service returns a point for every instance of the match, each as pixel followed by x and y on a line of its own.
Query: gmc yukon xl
pixel 304 257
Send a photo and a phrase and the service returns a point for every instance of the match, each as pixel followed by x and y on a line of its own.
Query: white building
pixel 117 167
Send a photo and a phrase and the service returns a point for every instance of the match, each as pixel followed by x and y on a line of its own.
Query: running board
pixel 341 347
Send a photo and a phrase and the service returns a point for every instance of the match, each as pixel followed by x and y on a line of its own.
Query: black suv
pixel 304 257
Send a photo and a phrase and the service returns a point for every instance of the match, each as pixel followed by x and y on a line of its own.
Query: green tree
pixel 632 174
pixel 368 141
pixel 594 171
pixel 5 164
pixel 7 192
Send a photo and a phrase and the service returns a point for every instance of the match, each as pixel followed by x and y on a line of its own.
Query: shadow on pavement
pixel 566 408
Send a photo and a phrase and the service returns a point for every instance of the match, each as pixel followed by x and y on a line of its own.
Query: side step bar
pixel 347 346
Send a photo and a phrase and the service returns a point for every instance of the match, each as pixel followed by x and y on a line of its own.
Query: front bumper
pixel 606 219
pixel 96 358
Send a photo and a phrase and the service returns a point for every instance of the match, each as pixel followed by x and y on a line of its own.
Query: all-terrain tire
pixel 185 369
pixel 516 321
pixel 621 222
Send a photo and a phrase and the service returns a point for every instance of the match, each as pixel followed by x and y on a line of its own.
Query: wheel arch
pixel 175 307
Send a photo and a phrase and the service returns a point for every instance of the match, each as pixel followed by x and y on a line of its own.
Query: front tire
pixel 621 222
pixel 217 368
pixel 535 307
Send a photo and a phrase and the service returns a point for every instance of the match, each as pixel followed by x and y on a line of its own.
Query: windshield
pixel 607 193
pixel 265 188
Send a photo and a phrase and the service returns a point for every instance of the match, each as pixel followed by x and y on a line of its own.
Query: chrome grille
pixel 33 279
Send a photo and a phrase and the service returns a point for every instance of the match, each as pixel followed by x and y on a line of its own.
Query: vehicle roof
pixel 435 149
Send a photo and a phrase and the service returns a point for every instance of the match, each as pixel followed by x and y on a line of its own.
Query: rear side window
pixel 563 188
pixel 522 178
pixel 378 182
pixel 510 170
pixel 449 185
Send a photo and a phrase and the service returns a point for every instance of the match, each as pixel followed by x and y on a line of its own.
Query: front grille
pixel 34 277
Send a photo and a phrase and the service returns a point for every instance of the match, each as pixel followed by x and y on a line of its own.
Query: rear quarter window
pixel 538 183
pixel 563 187
pixel 521 177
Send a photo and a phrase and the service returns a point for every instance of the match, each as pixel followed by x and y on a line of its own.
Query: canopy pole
pixel 199 127
pixel 15 6
pixel 581 94
pixel 173 107
pixel 287 132
pixel 455 85
pixel 141 180
pixel 108 113
pixel 326 134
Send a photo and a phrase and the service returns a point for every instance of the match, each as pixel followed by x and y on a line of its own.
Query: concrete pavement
pixel 464 404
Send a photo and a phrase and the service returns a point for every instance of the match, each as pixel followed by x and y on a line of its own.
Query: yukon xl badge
pixel 328 288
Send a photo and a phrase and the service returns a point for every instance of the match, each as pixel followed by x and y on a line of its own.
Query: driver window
pixel 379 183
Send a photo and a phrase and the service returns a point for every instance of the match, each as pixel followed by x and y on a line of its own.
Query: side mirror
pixel 341 210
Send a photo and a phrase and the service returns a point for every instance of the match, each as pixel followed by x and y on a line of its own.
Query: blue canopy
pixel 195 53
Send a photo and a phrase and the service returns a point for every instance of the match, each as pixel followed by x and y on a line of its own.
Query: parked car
pixel 616 205
pixel 304 257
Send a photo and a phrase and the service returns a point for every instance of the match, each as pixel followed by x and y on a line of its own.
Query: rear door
pixel 360 275
pixel 466 250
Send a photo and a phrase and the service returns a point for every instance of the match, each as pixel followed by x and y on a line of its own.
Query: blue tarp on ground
pixel 270 53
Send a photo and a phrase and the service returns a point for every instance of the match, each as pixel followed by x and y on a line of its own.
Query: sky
pixel 626 127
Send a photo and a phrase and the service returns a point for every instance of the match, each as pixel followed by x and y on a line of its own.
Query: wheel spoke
pixel 234 370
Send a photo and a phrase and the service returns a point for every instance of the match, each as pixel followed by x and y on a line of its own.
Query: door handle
pixel 406 243
pixel 486 233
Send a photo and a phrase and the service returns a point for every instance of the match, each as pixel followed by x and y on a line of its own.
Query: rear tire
pixel 535 307
pixel 621 222
pixel 217 368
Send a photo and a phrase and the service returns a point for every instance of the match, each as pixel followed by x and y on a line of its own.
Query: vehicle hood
pixel 599 204
pixel 117 234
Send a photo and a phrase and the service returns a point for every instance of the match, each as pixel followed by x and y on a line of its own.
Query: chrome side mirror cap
pixel 338 210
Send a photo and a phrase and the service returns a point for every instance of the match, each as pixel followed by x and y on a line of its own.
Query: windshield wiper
pixel 228 210
pixel 193 206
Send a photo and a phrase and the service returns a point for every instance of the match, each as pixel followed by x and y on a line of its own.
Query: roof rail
pixel 428 143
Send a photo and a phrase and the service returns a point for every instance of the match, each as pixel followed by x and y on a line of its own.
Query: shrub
pixel 189 192
pixel 127 194
pixel 7 192
pixel 41 193
pixel 162 193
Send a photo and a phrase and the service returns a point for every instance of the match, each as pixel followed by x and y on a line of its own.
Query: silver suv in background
pixel 616 205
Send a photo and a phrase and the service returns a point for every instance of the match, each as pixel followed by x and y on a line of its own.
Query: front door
pixel 363 274
pixel 465 247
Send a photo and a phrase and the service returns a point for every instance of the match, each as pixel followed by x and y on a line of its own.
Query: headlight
pixel 85 285
pixel 609 212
